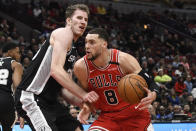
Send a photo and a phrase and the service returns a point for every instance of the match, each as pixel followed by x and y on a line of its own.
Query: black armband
pixel 151 84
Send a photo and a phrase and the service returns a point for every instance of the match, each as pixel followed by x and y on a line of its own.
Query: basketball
pixel 130 88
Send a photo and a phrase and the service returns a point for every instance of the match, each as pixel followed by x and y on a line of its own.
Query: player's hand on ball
pixel 91 97
pixel 146 102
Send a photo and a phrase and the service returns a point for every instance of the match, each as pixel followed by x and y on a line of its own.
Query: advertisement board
pixel 157 127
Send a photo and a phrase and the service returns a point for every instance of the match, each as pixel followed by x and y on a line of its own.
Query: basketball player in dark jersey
pixel 102 68
pixel 37 95
pixel 10 73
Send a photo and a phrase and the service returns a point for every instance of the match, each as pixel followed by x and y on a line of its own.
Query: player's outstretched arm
pixel 70 98
pixel 128 65
pixel 80 71
pixel 61 40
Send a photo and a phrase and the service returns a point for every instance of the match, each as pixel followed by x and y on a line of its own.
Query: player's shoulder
pixel 6 59
pixel 58 30
pixel 80 67
pixel 62 34
pixel 80 63
pixel 16 64
pixel 123 55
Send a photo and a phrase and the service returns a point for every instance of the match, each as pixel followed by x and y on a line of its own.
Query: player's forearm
pixel 151 83
pixel 69 97
pixel 63 78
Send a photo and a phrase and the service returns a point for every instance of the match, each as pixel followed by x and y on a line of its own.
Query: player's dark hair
pixel 70 9
pixel 101 32
pixel 8 46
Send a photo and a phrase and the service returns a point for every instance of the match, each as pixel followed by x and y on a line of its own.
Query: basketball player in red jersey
pixel 101 69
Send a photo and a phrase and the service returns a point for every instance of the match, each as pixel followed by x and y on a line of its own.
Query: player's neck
pixel 75 37
pixel 103 60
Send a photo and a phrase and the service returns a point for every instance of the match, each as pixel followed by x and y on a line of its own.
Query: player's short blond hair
pixel 71 9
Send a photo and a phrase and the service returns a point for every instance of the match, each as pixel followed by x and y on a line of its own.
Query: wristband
pixel 151 84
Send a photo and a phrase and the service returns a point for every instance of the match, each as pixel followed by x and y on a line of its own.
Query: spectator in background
pixel 191 102
pixel 177 111
pixel 29 10
pixel 179 86
pixel 162 79
pixel 188 83
pixel 193 71
pixel 14 34
pixel 187 111
pixel 26 62
pixel 30 54
pixel 161 63
pixel 161 115
pixel 2 41
pixel 48 25
pixel 33 41
pixel 35 48
pixel 101 9
pixel 180 71
pixel 173 98
pixel 145 65
pixel 74 112
pixel 93 9
pixel 151 64
pixel 169 112
pixel 164 99
pixel 21 41
pixel 176 62
pixel 4 26
pixel 185 63
pixel 170 70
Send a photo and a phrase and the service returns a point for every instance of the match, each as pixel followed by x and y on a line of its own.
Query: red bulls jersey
pixel 104 81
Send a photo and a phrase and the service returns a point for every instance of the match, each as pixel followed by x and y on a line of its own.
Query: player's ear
pixel 105 44
pixel 68 20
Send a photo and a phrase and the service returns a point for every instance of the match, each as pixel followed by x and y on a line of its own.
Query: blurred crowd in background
pixel 168 57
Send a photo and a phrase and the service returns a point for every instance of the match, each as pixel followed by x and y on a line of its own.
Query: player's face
pixel 79 21
pixel 93 46
pixel 15 53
